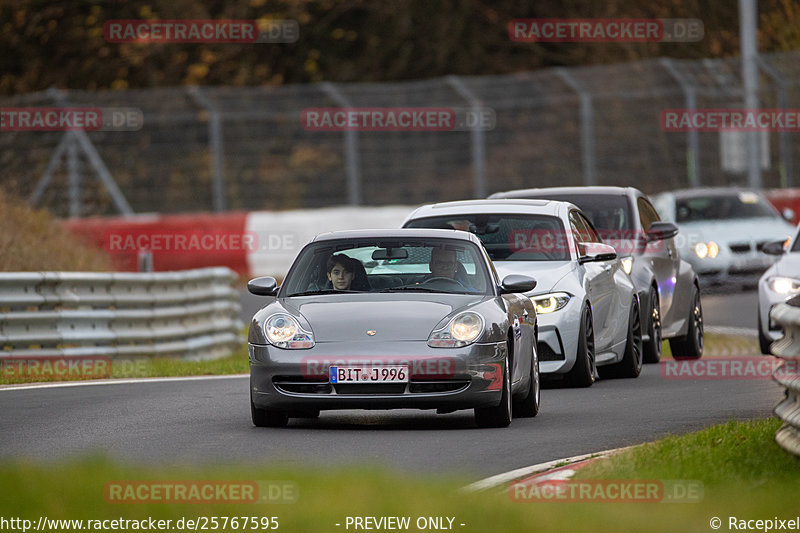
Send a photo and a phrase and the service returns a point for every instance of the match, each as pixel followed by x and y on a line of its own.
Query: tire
pixel 267 419
pixel 763 341
pixel 690 346
pixel 500 416
pixel 631 364
pixel 652 348
pixel 528 406
pixel 582 373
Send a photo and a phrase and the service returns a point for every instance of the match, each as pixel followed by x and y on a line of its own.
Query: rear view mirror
pixel 265 286
pixel 661 230
pixel 595 251
pixel 773 248
pixel 389 253
pixel 514 283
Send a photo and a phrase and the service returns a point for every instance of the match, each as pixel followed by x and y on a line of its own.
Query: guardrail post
pixel 480 189
pixel 587 125
pixel 786 170
pixel 787 315
pixel 353 161
pixel 692 140
pixel 217 152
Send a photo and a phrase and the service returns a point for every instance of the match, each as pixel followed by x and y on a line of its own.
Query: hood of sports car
pixel 546 273
pixel 392 317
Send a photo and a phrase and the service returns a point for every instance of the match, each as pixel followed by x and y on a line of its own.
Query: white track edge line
pixel 506 477
pixel 62 384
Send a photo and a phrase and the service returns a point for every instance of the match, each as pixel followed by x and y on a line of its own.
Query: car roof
pixel 491 206
pixel 398 233
pixel 711 191
pixel 544 191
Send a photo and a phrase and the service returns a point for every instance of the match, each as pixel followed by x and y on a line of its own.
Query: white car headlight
pixel 284 331
pixel 549 303
pixel 463 329
pixel 783 285
pixel 703 250
pixel 627 264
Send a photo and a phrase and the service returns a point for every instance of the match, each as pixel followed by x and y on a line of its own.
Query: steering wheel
pixel 442 278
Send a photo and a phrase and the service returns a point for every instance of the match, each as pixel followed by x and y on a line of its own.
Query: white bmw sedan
pixel 586 304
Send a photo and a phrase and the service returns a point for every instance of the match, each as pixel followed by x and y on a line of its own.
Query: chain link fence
pixel 244 148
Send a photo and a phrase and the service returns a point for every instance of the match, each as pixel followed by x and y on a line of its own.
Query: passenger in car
pixel 340 272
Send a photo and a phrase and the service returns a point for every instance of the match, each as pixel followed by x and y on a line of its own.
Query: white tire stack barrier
pixel 189 314
pixel 787 315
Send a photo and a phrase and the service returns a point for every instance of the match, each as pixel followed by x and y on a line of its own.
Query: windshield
pixel 509 237
pixel 722 207
pixel 388 265
pixel 608 214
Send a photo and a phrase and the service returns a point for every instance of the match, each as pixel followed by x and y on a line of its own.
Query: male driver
pixel 340 272
pixel 443 263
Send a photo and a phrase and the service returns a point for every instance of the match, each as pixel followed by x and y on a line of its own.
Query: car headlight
pixel 703 250
pixel 463 329
pixel 549 303
pixel 783 285
pixel 627 264
pixel 284 331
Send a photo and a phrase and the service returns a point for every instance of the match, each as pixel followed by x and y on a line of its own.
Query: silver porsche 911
pixel 384 319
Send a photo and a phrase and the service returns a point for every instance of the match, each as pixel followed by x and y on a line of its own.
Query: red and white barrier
pixel 253 244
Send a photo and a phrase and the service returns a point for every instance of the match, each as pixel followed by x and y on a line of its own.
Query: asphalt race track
pixel 208 421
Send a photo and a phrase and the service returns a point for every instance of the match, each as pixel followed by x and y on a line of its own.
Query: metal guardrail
pixel 191 314
pixel 787 315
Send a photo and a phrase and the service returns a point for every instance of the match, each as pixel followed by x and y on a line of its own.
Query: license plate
pixel 369 374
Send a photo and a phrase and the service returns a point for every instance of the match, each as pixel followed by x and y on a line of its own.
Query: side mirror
pixel 788 214
pixel 594 251
pixel 773 248
pixel 266 286
pixel 514 283
pixel 661 230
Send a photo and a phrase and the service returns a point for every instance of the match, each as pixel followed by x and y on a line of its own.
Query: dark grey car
pixel 668 286
pixel 398 336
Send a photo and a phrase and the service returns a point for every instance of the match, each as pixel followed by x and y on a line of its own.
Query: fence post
pixel 217 152
pixel 587 125
pixel 352 159
pixel 480 188
pixel 786 170
pixel 692 140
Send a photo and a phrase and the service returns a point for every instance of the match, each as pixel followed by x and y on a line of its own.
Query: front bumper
pixel 767 299
pixel 728 267
pixel 440 378
pixel 558 338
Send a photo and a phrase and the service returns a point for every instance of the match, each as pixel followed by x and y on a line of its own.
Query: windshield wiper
pixel 414 289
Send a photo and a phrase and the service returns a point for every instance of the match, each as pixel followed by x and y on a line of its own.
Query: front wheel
pixel 529 405
pixel 267 419
pixel 500 416
pixel 631 364
pixel 690 346
pixel 582 373
pixel 652 348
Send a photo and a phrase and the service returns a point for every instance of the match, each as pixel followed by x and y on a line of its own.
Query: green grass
pixel 716 345
pixel 745 475
pixel 741 454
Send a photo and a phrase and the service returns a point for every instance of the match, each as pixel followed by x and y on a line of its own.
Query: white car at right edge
pixel 780 282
